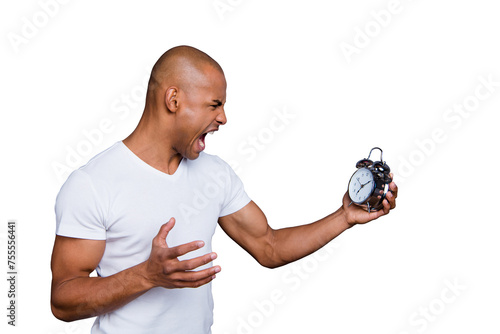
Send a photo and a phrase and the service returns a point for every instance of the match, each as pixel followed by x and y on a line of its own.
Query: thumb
pixel 164 230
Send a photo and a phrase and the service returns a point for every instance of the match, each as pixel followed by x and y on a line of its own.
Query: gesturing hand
pixel 165 270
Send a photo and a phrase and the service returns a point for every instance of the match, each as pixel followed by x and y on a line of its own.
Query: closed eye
pixel 218 103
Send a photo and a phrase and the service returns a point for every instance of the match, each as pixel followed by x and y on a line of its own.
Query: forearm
pixel 293 243
pixel 84 297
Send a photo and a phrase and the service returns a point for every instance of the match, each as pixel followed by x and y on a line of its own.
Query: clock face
pixel 361 185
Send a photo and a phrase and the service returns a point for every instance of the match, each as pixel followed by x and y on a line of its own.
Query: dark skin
pixel 185 100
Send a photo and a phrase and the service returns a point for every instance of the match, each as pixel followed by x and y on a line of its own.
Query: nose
pixel 221 117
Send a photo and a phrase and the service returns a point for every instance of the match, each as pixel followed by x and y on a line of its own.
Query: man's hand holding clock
pixel 371 193
pixel 355 214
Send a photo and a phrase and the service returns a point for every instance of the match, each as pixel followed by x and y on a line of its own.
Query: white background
pixel 85 61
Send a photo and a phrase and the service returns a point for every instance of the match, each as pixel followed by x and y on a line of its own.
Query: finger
pixel 196 262
pixel 375 214
pixel 393 188
pixel 196 284
pixel 386 206
pixel 186 277
pixel 161 237
pixel 185 248
pixel 392 199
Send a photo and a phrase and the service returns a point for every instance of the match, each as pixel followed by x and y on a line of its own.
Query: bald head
pixel 182 66
pixel 185 100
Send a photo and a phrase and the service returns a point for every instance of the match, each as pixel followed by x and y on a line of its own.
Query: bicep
pixel 73 257
pixel 248 227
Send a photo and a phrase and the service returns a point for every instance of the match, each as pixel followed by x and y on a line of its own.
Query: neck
pixel 153 145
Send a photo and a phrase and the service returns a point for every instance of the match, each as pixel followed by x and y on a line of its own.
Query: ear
pixel 172 98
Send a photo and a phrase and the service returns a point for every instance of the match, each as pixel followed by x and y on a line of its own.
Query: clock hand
pixel 362 185
pixel 359 183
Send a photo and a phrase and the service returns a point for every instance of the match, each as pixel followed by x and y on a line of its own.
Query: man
pixel 109 210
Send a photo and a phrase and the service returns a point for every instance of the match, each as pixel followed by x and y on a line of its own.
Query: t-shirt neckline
pixel 150 168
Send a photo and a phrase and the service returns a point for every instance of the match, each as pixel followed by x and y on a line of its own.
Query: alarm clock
pixel 369 184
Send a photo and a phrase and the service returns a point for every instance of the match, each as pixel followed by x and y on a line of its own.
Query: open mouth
pixel 201 139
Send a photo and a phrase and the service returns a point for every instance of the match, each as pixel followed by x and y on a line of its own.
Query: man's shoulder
pixel 112 156
pixel 101 166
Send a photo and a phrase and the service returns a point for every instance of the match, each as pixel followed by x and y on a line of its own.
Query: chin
pixel 192 156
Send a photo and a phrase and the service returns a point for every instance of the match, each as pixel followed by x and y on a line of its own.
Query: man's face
pixel 201 110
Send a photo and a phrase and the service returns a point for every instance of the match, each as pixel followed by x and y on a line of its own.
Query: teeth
pixel 212 132
pixel 202 145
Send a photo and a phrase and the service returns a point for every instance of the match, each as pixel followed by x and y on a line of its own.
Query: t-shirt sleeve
pixel 235 196
pixel 79 212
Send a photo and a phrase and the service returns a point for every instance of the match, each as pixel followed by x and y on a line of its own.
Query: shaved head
pixel 182 66
pixel 185 101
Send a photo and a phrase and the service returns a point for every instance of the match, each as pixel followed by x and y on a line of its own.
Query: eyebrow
pixel 219 102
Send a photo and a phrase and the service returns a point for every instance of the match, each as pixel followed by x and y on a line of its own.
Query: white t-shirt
pixel 119 198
